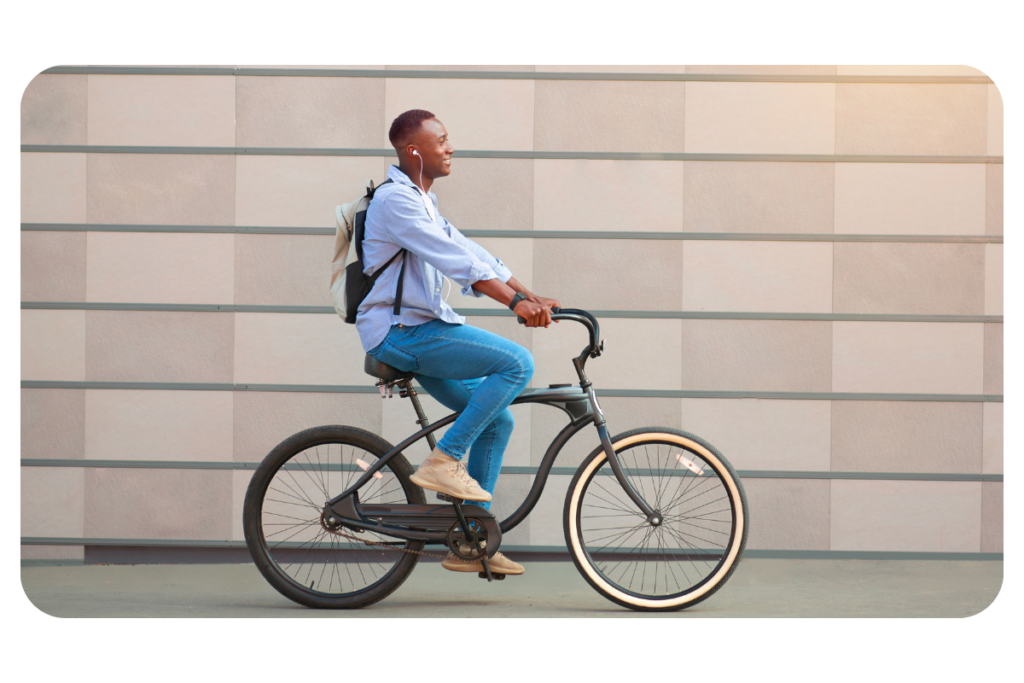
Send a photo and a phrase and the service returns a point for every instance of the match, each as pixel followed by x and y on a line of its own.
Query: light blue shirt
pixel 397 218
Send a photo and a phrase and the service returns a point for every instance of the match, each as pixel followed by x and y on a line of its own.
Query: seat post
pixel 406 390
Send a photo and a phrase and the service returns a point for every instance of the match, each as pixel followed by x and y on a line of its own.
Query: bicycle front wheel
pixel 292 546
pixel 695 548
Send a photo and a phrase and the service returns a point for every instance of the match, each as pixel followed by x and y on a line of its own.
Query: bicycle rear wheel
pixel 687 557
pixel 295 551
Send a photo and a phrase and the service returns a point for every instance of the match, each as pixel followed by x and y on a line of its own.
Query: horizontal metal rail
pixel 530 234
pixel 514 469
pixel 625 393
pixel 511 154
pixel 560 549
pixel 497 312
pixel 638 75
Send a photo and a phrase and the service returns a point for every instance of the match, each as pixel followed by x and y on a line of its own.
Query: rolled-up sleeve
pixel 500 269
pixel 406 226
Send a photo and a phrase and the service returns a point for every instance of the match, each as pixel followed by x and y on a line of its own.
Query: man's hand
pixel 543 301
pixel 537 315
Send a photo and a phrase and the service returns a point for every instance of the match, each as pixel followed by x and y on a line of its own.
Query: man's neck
pixel 414 176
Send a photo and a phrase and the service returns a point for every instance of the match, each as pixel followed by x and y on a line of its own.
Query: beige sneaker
pixel 442 473
pixel 499 564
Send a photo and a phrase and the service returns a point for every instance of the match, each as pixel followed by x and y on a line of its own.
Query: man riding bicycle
pixel 465 368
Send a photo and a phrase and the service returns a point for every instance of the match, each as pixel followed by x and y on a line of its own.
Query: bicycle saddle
pixel 375 368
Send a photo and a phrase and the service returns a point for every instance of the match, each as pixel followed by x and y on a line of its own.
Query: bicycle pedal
pixel 497 577
pixel 448 499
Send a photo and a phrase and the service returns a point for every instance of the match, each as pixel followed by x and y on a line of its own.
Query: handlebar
pixel 582 317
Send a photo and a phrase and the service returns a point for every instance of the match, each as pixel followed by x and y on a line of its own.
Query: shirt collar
pixel 398 176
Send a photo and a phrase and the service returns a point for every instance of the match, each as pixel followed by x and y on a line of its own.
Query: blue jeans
pixel 470 370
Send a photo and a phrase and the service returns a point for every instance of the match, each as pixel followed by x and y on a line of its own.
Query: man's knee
pixel 526 362
pixel 505 420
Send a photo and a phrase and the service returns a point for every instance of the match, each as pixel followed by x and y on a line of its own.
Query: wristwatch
pixel 515 300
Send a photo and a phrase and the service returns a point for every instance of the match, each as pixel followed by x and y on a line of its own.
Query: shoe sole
pixel 424 483
pixel 476 569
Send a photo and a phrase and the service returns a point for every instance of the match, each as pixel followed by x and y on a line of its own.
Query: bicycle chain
pixel 404 550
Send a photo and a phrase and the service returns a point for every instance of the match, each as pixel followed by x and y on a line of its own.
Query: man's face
pixel 432 143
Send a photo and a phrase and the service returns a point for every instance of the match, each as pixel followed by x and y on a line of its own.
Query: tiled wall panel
pixel 161 189
pixel 296 348
pixel 53 345
pixel 909 516
pixel 911 119
pixel 758 196
pixel 993 383
pixel 158 425
pixel 907 357
pixel 766 69
pixel 158 346
pixel 164 268
pixel 995 122
pixel 149 503
pixel 908 70
pixel 757 276
pixel 53 266
pixel 194 111
pixel 904 436
pixel 757 355
pixel 993 279
pixel 992 517
pixel 53 423
pixel 619 196
pixel 52 501
pixel 760 118
pixel 788 514
pixel 994 199
pixel 53 188
pixel 283 270
pixel 601 116
pixel 910 199
pixel 921 278
pixel 992 450
pixel 309 112
pixel 613 68
pixel 53 110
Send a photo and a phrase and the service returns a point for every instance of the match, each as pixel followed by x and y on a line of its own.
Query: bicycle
pixel 334 504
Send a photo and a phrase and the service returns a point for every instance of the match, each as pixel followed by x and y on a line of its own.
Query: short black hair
pixel 405 124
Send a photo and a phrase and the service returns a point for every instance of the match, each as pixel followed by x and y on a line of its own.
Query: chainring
pixel 461 546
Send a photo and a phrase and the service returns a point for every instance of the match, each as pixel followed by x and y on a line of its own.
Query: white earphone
pixel 426 199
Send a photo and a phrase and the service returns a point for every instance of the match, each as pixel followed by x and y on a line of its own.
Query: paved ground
pixel 759 588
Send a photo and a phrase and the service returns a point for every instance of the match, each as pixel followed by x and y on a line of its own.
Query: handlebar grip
pixel 555 310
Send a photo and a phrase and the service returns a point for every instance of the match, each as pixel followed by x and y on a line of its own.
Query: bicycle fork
pixel 653 516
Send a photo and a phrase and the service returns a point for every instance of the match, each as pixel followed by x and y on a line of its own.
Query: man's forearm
pixel 498 290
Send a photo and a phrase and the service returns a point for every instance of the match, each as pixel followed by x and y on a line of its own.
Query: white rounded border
pixel 582 556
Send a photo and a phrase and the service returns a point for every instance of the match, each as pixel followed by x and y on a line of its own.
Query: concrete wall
pixel 814 254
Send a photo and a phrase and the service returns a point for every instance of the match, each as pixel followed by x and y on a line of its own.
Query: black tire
pixel 708 509
pixel 302 560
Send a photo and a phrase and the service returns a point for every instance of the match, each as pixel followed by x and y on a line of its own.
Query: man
pixel 465 368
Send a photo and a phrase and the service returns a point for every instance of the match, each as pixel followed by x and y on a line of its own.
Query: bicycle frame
pixel 580 403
